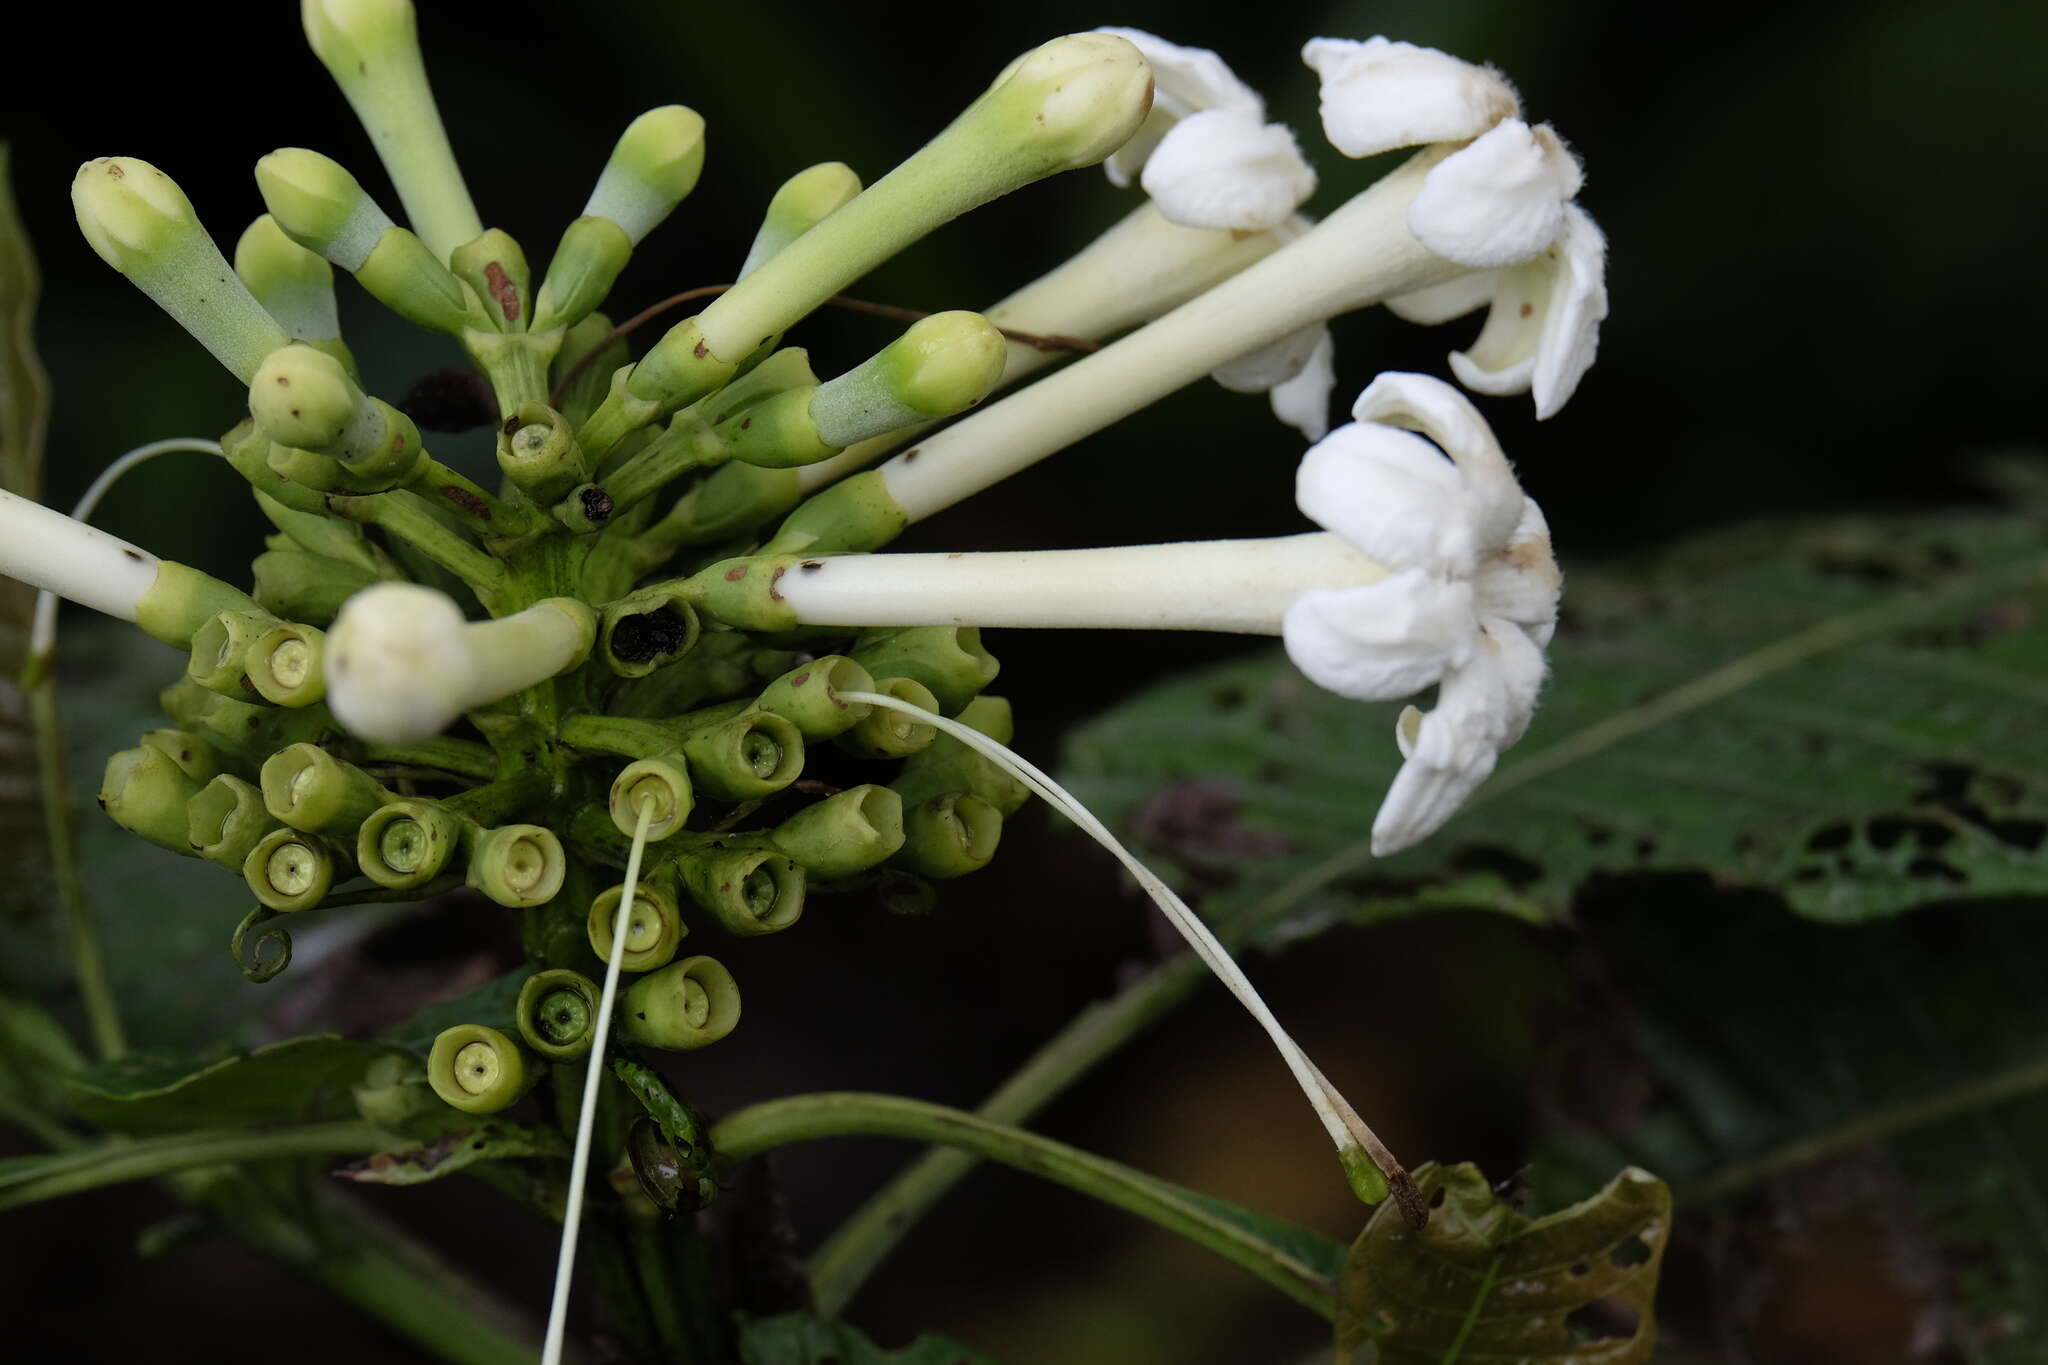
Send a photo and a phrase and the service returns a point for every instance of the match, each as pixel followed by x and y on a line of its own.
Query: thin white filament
pixel 42 636
pixel 579 1164
pixel 1342 1123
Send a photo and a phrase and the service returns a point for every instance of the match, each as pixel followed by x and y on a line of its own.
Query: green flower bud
pixel 949 660
pixel 284 664
pixel 745 883
pixel 321 533
pixel 494 266
pixel 517 865
pixel 733 503
pixel 312 790
pixel 289 870
pixel 944 364
pixel 181 599
pixel 479 1070
pixel 949 835
pixel 805 200
pixel 145 791
pixel 557 1013
pixel 305 587
pixel 193 755
pixel 225 819
pixel 371 48
pixel 652 169
pixel 586 263
pixel 318 204
pixel 844 834
pixel 140 223
pixel 948 765
pixel 294 285
pixel 251 733
pixel 685 1005
pixel 405 844
pixel 247 449
pixel 538 452
pixel 303 398
pixel 653 932
pixel 395 1096
pixel 664 779
pixel 737 753
pixel 808 696
pixel 220 647
pixel 1072 101
pixel 892 734
pixel 642 632
pixel 854 514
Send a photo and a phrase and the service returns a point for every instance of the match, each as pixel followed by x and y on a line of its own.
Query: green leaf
pixel 301 1079
pixel 36 1055
pixel 1765 1048
pixel 1846 712
pixel 1318 1253
pixel 1482 1282
pixel 491 1004
pixel 454 1151
pixel 800 1339
pixel 24 390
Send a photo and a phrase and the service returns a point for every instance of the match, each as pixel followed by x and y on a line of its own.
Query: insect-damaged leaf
pixel 1482 1282
pixel 452 1152
pixel 1845 712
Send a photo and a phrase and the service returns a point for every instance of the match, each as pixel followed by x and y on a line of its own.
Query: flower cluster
pixel 663 617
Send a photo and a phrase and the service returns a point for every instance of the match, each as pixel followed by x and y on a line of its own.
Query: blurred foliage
pixel 302 1079
pixel 1837 711
pixel 1481 1282
pixel 1900 1067
pixel 800 1339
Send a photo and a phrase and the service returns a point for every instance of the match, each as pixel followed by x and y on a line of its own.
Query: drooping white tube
pixel 1235 586
pixel 46 549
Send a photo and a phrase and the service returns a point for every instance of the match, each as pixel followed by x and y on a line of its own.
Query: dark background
pixel 1826 276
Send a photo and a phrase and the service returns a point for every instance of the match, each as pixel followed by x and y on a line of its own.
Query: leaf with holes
pixel 454 1151
pixel 1483 1282
pixel 1896 1072
pixel 1848 712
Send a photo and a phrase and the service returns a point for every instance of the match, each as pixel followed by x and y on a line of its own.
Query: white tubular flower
pixel 1543 330
pixel 1497 201
pixel 402 663
pixel 1469 602
pixel 1206 154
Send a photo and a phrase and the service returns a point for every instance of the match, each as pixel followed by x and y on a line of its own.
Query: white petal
pixel 1225 168
pixel 1272 364
pixel 1419 402
pixel 1123 165
pixel 1499 201
pixel 1391 494
pixel 1187 80
pixel 1378 95
pixel 1483 705
pixel 1446 301
pixel 1520 583
pixel 1544 329
pixel 1578 304
pixel 1303 402
pixel 1383 640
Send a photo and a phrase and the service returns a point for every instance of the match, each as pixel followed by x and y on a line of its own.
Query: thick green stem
pixel 801 1118
pixel 409 517
pixel 93 989
pixel 464 758
pixel 115 1164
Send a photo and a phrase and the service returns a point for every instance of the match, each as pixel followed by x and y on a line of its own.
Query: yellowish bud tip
pixel 947 362
pixel 302 397
pixel 344 32
pixel 1086 94
pixel 130 211
pixel 320 205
